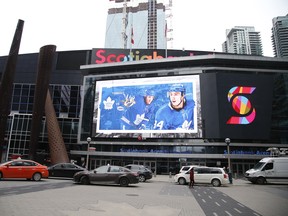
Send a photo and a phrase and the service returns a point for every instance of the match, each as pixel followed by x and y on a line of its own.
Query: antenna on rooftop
pixel 169 30
pixel 124 24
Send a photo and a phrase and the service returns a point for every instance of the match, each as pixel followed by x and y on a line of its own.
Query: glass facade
pixel 66 100
pixel 279 125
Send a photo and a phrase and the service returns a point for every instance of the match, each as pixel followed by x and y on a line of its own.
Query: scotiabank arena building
pixel 162 109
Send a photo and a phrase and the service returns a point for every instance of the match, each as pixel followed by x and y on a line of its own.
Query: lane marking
pixel 237 210
pixel 217 204
pixel 203 200
pixel 210 197
pixel 224 200
pixel 241 205
pixel 228 213
pixel 11 192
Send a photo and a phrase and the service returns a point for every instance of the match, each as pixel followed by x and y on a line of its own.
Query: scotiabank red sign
pixel 100 56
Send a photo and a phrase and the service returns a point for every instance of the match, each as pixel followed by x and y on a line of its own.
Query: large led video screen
pixel 159 105
pixel 237 105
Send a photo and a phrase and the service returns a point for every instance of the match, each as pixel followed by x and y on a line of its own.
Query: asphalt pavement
pixel 159 196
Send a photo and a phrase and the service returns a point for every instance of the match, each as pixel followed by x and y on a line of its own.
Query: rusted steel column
pixel 58 152
pixel 6 86
pixel 45 65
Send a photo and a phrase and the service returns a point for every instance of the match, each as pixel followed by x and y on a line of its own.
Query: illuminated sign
pixel 100 56
pixel 241 105
pixel 241 152
pixel 148 105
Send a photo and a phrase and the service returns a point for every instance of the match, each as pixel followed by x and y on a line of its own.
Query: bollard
pixel 155 173
pixel 170 175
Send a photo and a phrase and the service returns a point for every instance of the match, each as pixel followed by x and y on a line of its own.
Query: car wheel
pixel 260 180
pixel 182 181
pixel 1 175
pixel 216 183
pixel 142 178
pixel 84 180
pixel 124 182
pixel 36 177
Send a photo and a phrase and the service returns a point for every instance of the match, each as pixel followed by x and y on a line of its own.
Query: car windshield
pixel 102 169
pixel 185 168
pixel 123 169
pixel 5 163
pixel 258 165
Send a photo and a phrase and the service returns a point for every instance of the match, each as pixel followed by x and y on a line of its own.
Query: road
pixel 159 196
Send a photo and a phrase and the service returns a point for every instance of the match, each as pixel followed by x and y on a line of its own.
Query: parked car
pixel 144 172
pixel 204 175
pixel 19 168
pixel 66 170
pixel 108 174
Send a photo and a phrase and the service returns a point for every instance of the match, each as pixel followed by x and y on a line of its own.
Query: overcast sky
pixel 80 25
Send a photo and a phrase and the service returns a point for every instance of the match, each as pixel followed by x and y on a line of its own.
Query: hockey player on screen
pixel 178 114
pixel 140 112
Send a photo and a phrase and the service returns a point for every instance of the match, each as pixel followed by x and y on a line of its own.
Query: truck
pixel 269 170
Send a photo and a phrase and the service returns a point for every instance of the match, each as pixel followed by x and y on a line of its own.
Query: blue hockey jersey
pixel 138 116
pixel 167 118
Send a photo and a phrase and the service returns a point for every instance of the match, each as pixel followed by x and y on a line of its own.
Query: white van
pixel 204 175
pixel 269 170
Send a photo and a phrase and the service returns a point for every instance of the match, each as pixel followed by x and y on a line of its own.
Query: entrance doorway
pixel 149 164
pixel 94 163
pixel 239 169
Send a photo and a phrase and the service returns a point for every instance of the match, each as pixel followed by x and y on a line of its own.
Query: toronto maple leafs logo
pixel 139 119
pixel 108 104
pixel 186 125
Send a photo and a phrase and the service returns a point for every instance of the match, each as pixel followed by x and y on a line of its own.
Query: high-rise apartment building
pixel 280 36
pixel 141 26
pixel 243 40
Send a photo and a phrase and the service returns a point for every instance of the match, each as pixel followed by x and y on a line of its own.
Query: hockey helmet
pixel 177 88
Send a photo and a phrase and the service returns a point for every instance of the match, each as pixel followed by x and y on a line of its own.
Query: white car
pixel 204 175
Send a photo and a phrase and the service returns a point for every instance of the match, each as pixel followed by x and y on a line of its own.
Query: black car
pixel 144 172
pixel 66 170
pixel 108 174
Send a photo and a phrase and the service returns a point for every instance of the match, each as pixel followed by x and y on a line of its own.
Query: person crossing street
pixel 191 184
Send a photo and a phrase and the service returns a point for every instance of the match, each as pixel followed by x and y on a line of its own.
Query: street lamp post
pixel 88 148
pixel 227 141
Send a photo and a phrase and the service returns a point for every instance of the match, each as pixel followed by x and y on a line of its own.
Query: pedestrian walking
pixel 191 184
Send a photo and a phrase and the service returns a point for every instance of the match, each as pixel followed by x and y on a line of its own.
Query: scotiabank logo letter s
pixel 241 105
